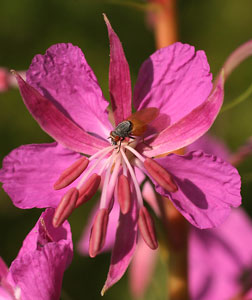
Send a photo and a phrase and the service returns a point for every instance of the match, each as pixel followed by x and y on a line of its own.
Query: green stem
pixel 238 100
pixel 176 234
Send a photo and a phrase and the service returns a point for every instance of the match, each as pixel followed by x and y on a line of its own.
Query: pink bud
pixel 71 173
pixel 124 194
pixel 147 229
pixel 88 189
pixel 160 175
pixel 98 232
pixel 65 207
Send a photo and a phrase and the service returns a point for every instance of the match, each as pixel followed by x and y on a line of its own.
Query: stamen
pixel 71 173
pixel 134 179
pixel 137 154
pixel 104 166
pixel 123 191
pixel 124 168
pixel 113 180
pixel 147 229
pixel 139 164
pixel 90 170
pixel 65 207
pixel 88 189
pixel 103 201
pixel 103 151
pixel 98 232
pixel 160 175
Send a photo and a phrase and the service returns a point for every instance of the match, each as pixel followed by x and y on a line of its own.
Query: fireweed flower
pixel 62 94
pixel 230 248
pixel 47 252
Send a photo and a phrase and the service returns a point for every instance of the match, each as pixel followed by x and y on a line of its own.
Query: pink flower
pixel 63 95
pixel 37 271
pixel 220 260
pixel 4 82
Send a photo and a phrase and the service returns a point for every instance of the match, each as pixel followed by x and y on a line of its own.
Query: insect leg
pixel 121 140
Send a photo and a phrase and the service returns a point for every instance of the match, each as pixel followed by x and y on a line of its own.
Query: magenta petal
pixel 125 244
pixel 219 258
pixel 38 270
pixel 207 187
pixel 44 233
pixel 175 79
pixel 141 268
pixel 83 244
pixel 5 295
pixel 56 124
pixel 6 287
pixel 119 78
pixel 63 76
pixel 3 269
pixel 195 124
pixel 191 127
pixel 29 173
pixel 210 144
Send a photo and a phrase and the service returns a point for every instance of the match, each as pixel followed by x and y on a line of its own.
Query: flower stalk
pixel 175 226
pixel 176 234
pixel 164 22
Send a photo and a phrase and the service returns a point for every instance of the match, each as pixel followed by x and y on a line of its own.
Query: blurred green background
pixel 29 27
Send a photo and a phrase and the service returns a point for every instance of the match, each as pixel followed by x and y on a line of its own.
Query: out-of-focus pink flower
pixel 7 80
pixel 37 271
pixel 220 260
pixel 4 80
pixel 63 95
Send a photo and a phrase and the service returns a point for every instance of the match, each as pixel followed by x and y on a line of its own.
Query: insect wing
pixel 145 115
pixel 141 119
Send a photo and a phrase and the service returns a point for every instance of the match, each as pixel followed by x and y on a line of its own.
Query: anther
pixel 71 173
pixel 98 232
pixel 147 229
pixel 123 189
pixel 160 175
pixel 65 207
pixel 88 189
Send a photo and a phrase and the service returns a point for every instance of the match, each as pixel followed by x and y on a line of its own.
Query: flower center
pixel 115 165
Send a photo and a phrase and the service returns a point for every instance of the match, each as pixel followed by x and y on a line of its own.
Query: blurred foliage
pixel 29 27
